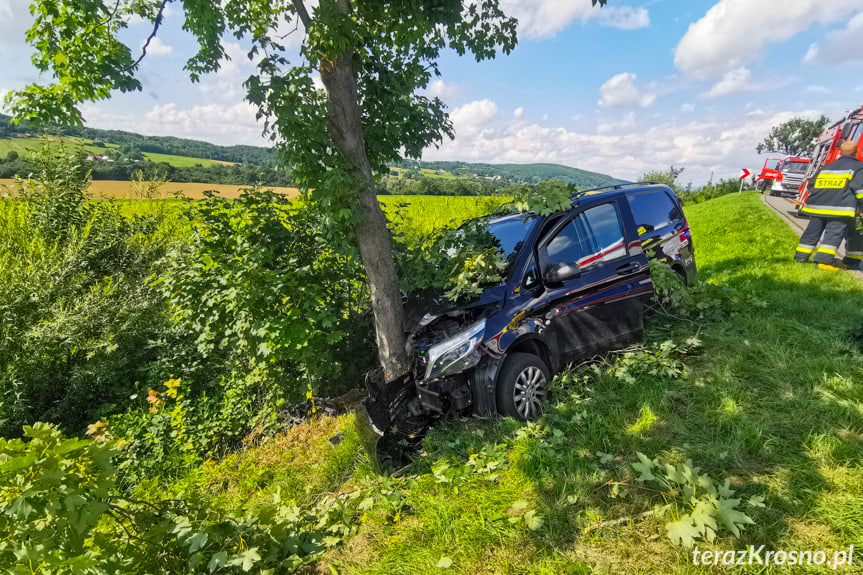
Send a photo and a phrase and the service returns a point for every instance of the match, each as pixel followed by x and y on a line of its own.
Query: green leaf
pixel 532 520
pixel 520 504
pixel 197 541
pixel 682 532
pixel 217 561
pixel 731 517
pixel 444 563
pixel 17 463
pixel 644 468
pixel 756 501
pixel 246 559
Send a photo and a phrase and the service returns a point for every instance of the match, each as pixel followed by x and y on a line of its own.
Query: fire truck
pixel 827 148
pixel 768 175
pixel 784 177
pixel 791 175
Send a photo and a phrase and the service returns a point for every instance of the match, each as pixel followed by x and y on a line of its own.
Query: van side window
pixel 593 238
pixel 653 210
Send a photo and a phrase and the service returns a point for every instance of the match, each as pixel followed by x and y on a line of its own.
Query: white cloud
pixel 226 85
pixel 818 90
pixel 620 90
pixel 733 82
pixel 840 46
pixel 471 119
pixel 624 17
pixel 442 90
pixel 518 113
pixel 157 48
pixel 720 143
pixel 15 19
pixel 623 124
pixel 227 125
pixel 811 54
pixel 542 18
pixel 687 108
pixel 734 32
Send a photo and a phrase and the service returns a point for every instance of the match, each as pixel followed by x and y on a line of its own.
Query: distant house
pixel 21 135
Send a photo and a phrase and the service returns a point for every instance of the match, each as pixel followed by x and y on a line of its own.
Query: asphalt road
pixel 785 209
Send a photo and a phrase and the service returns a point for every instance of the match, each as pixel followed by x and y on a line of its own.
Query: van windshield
pixel 511 233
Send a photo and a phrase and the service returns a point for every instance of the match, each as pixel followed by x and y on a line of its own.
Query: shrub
pixel 60 513
pixel 260 290
pixel 77 314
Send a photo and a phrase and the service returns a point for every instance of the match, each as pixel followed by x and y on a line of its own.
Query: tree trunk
pixel 345 125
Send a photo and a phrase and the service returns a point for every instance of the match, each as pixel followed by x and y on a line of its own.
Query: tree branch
pixel 302 13
pixel 156 24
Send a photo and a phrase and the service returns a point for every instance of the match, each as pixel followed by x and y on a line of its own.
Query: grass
pixel 182 161
pixel 772 403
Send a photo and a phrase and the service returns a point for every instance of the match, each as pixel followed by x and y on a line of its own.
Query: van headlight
pixel 456 354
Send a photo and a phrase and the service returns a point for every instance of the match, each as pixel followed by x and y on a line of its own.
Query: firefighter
pixel 832 206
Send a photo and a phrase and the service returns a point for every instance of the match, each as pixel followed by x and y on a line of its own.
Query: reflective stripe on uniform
pixel 833 179
pixel 807 250
pixel 828 210
pixel 831 251
pixel 854 255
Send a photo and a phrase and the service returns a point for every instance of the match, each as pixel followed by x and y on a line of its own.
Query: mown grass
pixel 772 403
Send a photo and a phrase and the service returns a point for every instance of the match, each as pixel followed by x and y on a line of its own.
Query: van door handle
pixel 629 268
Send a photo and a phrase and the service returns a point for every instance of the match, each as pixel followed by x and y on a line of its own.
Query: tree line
pixel 153 144
pixel 237 174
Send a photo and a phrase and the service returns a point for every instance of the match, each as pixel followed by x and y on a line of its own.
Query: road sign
pixel 744 173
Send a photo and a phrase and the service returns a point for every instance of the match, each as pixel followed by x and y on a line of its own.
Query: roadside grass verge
pixel 771 402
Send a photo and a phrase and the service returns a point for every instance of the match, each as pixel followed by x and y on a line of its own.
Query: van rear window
pixel 653 210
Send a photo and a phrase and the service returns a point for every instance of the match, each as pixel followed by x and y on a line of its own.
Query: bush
pixel 61 513
pixel 77 314
pixel 260 290
pixel 265 314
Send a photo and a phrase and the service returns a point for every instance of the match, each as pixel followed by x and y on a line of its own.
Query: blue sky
pixel 635 86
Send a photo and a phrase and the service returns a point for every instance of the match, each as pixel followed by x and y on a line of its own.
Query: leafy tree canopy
pixel 794 137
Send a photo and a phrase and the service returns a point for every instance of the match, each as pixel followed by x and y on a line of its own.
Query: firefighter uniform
pixel 834 194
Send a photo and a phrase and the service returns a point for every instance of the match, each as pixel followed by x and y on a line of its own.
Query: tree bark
pixel 345 124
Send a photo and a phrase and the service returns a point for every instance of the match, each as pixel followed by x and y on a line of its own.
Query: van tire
pixel 522 387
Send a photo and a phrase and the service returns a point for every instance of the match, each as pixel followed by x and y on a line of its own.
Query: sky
pixel 638 85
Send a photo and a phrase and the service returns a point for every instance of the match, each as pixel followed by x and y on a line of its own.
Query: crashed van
pixel 576 285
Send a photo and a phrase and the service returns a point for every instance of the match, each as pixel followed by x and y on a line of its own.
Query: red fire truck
pixel 783 177
pixel 827 147
pixel 768 175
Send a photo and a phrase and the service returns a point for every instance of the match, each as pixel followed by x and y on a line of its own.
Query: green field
pixel 23 146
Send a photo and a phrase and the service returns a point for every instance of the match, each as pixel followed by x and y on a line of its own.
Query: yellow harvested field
pixel 121 190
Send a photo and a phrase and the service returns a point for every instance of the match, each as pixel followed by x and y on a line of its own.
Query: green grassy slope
pixel 771 403
pixel 24 146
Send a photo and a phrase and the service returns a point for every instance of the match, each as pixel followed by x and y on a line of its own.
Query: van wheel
pixel 522 387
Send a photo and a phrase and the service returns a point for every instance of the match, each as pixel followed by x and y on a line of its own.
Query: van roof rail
pixel 612 187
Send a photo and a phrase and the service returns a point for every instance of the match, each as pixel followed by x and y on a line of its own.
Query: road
pixel 785 209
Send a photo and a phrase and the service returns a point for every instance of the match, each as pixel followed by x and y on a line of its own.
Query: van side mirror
pixel 559 272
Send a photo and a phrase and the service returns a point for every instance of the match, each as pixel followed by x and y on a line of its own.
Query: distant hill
pixel 167 145
pixel 518 173
pixel 255 164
